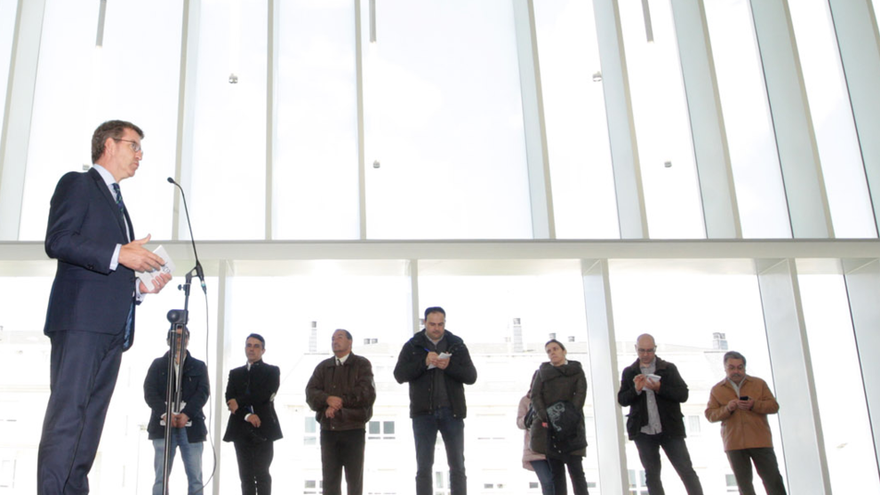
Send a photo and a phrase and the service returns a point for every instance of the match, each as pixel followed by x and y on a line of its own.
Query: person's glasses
pixel 134 144
pixel 646 351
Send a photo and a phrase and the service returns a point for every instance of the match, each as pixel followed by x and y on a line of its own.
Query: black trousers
pixel 343 449
pixel 253 466
pixel 765 464
pixel 677 452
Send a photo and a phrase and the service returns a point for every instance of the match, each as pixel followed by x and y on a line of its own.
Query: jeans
pixel 545 477
pixel 765 464
pixel 343 449
pixel 192 460
pixel 575 465
pixel 425 428
pixel 677 452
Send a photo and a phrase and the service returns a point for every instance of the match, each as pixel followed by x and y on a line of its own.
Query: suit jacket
pixel 84 228
pixel 195 389
pixel 254 391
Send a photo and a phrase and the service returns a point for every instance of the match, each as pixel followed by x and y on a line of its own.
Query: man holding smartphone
pixel 742 403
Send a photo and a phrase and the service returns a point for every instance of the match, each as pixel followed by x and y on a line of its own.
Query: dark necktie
pixel 119 202
pixel 338 362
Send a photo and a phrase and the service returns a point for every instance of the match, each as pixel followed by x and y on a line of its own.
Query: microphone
pixel 199 272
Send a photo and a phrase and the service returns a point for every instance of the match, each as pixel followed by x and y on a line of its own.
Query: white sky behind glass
pixel 849 450
pixel 134 78
pixel 760 194
pixel 574 111
pixel 842 166
pixel 315 175
pixel 672 196
pixel 7 29
pixel 444 118
pixel 227 195
pixel 481 308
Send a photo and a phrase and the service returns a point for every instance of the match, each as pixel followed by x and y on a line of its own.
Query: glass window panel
pixel 133 77
pixel 443 116
pixel 582 179
pixel 665 146
pixel 7 30
pixel 751 140
pixel 315 174
pixel 228 187
pixel 842 167
pixel 850 452
pixel 684 304
pixel 63 116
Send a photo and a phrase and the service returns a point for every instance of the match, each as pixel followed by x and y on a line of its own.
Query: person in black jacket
pixel 654 390
pixel 341 392
pixel 253 425
pixel 188 424
pixel 559 392
pixel 437 364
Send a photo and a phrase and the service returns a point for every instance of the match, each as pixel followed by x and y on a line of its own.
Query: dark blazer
pixel 254 389
pixel 411 368
pixel 195 389
pixel 84 228
pixel 673 391
pixel 352 382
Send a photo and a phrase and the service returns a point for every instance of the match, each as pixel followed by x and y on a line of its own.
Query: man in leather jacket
pixel 341 392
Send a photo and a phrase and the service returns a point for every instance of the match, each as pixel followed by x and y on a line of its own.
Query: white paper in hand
pixel 168 267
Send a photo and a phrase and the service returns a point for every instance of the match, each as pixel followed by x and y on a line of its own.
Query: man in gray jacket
pixel 341 392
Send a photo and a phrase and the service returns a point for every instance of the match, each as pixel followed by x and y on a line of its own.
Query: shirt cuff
pixel 114 261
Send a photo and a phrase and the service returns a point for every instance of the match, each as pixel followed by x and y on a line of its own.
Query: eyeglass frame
pixel 135 146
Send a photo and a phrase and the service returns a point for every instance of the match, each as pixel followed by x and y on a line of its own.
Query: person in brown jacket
pixel 742 403
pixel 342 392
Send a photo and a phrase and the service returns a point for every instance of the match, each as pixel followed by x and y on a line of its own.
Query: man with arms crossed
pixel 437 365
pixel 742 403
pixel 341 392
pixel 91 313
pixel 654 390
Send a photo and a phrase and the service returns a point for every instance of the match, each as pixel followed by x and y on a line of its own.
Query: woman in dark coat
pixel 561 386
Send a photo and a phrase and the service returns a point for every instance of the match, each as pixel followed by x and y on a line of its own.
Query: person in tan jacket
pixel 742 403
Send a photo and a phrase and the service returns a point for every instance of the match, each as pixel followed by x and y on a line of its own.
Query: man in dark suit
pixel 253 425
pixel 90 318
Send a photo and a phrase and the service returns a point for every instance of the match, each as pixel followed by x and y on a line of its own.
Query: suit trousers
pixel 343 449
pixel 765 464
pixel 83 371
pixel 254 460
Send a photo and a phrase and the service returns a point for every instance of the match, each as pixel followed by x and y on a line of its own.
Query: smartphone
pixel 744 397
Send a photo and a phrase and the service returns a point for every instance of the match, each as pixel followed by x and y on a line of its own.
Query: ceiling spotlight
pixel 233 79
pixel 597 77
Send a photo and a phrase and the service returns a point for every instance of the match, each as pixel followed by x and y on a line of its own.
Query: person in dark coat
pixel 558 395
pixel 437 365
pixel 253 425
pixel 188 431
pixel 654 390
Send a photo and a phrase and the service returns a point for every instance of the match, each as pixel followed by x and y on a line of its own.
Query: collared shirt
pixel 653 427
pixel 341 360
pixel 109 181
pixel 735 386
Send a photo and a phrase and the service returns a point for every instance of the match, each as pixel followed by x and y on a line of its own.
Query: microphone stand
pixel 178 319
